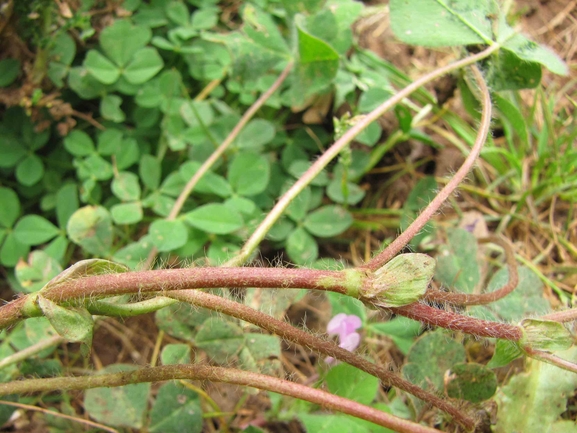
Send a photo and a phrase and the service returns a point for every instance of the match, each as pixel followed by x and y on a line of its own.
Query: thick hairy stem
pixel 458 322
pixel 217 374
pixel 483 298
pixel 327 348
pixel 276 212
pixel 195 278
pixel 189 187
pixel 403 239
pixel 345 282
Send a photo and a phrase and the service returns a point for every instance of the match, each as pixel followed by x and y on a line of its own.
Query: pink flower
pixel 345 326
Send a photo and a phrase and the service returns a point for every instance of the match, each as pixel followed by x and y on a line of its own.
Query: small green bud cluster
pixel 400 282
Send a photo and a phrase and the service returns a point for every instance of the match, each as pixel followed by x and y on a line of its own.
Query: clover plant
pixel 175 131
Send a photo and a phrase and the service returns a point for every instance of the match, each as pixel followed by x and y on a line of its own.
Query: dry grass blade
pixel 59 415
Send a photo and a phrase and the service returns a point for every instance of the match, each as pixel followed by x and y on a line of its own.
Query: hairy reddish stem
pixel 180 279
pixel 458 322
pixel 218 374
pixel 404 238
pixel 433 295
pixel 167 280
pixel 196 278
pixel 561 316
pixel 284 201
pixel 327 348
pixel 12 312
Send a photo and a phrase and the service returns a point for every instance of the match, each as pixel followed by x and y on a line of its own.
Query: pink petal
pixel 351 341
pixel 353 323
pixel 335 325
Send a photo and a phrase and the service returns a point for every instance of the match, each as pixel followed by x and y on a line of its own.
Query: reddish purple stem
pixel 458 322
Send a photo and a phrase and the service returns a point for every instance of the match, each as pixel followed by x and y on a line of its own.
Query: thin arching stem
pixel 552 359
pixel 189 187
pixel 218 374
pixel 433 295
pixel 31 350
pixel 276 212
pixel 327 348
pixel 417 225
pixel 226 143
pixel 59 415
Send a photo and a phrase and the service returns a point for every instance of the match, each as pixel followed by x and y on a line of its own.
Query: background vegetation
pixel 111 110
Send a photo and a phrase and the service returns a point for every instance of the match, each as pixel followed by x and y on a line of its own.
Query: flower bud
pixel 545 335
pixel 401 281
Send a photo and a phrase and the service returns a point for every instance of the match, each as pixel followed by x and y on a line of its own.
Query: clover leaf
pixel 125 54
